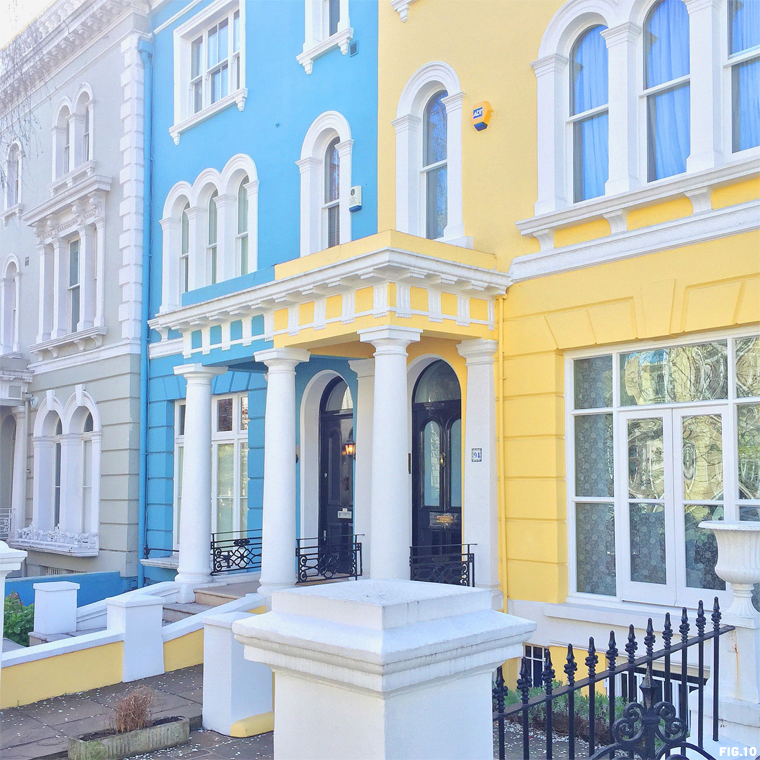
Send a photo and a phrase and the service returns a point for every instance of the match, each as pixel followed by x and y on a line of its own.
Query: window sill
pixel 697 187
pixel 238 98
pixel 10 212
pixel 92 337
pixel 57 542
pixel 165 563
pixel 339 39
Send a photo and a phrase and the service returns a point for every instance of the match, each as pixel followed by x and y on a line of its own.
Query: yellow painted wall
pixel 702 287
pixel 68 673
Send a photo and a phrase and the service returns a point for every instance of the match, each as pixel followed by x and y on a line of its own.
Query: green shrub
pixel 18 621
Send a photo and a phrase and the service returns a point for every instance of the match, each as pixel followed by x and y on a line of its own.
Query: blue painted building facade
pixel 262 127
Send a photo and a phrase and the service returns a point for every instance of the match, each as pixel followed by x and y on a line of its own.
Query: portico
pixel 373 326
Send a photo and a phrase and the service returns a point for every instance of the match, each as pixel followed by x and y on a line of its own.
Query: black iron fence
pixel 451 564
pixel 317 560
pixel 233 551
pixel 617 724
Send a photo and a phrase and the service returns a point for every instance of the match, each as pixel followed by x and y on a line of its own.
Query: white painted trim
pixel 317 39
pixel 410 196
pixel 122 348
pixel 160 349
pixel 64 646
pixel 237 98
pixel 322 131
pixel 338 40
pixel 402 8
pixel 690 230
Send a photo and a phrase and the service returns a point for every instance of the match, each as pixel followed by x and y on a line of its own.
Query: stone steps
pixel 173 613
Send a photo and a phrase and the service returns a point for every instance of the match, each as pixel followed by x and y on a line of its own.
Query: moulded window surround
pixel 66 491
pixel 10 292
pixel 330 131
pixel 62 158
pixel 327 27
pixel 642 464
pixel 190 249
pixel 411 180
pixel 13 178
pixel 209 64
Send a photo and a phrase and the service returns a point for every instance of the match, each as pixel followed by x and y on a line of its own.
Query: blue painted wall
pixel 92 586
pixel 282 103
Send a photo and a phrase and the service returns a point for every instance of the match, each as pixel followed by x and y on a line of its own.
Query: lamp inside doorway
pixel 349 448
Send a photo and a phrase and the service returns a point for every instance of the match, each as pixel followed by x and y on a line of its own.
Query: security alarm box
pixel 355 198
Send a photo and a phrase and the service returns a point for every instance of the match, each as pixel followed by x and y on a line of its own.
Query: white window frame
pixel 321 133
pixel 199 25
pixel 10 297
pixel 682 595
pixel 179 445
pixel 410 185
pixel 13 177
pixel 318 39
pixel 74 289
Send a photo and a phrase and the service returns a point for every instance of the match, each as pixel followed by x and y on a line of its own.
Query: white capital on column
pixel 364 404
pixel 195 528
pixel 480 479
pixel 278 525
pixel 391 498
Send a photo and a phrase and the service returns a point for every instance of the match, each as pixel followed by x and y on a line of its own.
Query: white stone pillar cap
pixel 382 635
pixel 10 559
pixel 56 586
pixel 130 600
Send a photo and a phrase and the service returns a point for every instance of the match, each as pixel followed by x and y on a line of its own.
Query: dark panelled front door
pixel 437 461
pixel 336 497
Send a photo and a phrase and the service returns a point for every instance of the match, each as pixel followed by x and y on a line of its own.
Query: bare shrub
pixel 133 711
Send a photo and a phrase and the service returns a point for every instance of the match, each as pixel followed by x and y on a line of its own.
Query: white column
pixel 551 75
pixel 344 188
pixel 10 560
pixel 408 138
pixel 364 405
pixel 455 219
pixel 480 518
pixel 311 204
pixel 45 293
pixel 100 273
pixel 18 504
pixel 623 113
pixel 195 530
pixel 87 270
pixel 706 73
pixel 391 498
pixel 278 525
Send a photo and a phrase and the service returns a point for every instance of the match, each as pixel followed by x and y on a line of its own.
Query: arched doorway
pixel 336 467
pixel 437 461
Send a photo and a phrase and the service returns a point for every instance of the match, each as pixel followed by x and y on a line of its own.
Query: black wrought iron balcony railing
pixel 449 564
pixel 317 560
pixel 233 551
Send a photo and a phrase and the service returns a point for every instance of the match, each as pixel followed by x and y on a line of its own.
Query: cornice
pixel 59 34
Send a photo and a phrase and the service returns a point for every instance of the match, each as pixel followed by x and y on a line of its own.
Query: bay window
pixel 662 438
pixel 744 59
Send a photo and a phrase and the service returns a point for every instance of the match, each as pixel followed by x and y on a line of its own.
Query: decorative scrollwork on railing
pixel 320 561
pixel 453 567
pixel 650 731
pixel 240 550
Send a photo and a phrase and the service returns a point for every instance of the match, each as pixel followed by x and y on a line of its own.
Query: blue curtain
pixel 590 90
pixel 667 58
pixel 745 34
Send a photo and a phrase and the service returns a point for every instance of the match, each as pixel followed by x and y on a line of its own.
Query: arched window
pixel 56 474
pixel 434 149
pixel 87 470
pixel 589 114
pixel 331 224
pixel 13 176
pixel 9 310
pixel 86 135
pixel 184 254
pixel 242 225
pixel 212 252
pixel 666 78
pixel 744 55
pixel 63 158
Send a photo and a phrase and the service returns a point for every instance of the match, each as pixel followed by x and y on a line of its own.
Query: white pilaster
pixel 87 277
pixel 278 526
pixel 391 498
pixel 344 189
pixel 551 76
pixel 226 229
pixel 46 286
pixel 100 289
pixel 623 133
pixel 60 288
pixel 365 378
pixel 18 503
pixel 480 477
pixel 706 73
pixel 195 529
pixel 408 145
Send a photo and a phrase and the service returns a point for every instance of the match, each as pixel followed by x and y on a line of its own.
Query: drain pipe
pixel 145 48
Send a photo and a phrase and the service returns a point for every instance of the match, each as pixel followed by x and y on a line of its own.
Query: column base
pixel 188 583
pixel 267 589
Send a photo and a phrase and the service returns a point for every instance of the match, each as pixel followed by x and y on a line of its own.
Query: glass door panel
pixel 700 468
pixel 646 506
pixel 431 462
pixel 225 487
